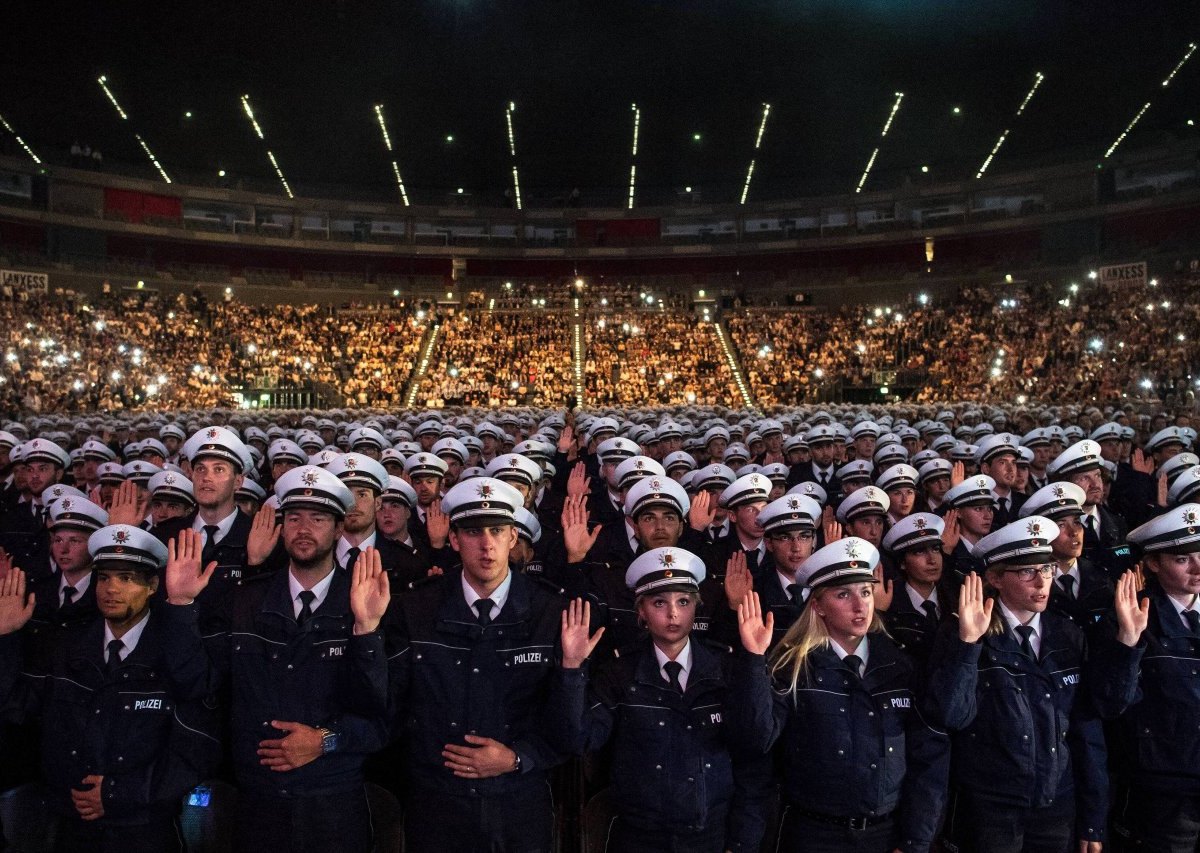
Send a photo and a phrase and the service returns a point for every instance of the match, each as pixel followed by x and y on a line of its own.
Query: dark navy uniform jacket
pixel 851 747
pixel 53 622
pixel 319 674
pixel 912 629
pixel 451 677
pixel 1153 691
pixel 1025 732
pixel 679 764
pixel 229 553
pixel 1092 599
pixel 132 726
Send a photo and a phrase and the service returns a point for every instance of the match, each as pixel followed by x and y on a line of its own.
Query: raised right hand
pixel 15 608
pixel 974 610
pixel 264 533
pixel 128 504
pixel 576 644
pixel 755 633
pixel 738 580
pixel 576 537
pixel 185 580
pixel 702 513
pixel 1132 616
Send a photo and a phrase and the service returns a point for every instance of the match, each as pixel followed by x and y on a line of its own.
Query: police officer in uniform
pixel 302 655
pixel 1081 591
pixel 790 529
pixel 862 769
pixel 472 663
pixel 681 775
pixel 1146 663
pixel 921 601
pixel 121 743
pixel 1028 752
pixel 219 462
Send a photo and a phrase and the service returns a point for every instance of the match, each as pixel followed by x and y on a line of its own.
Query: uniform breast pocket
pixel 1177 678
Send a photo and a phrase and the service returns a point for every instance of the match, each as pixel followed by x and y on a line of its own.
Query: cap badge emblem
pixel 484 490
pixel 1059 492
pixel 309 478
pixel 66 504
pixel 666 560
pixel 1034 528
pixel 1189 517
pixel 213 433
pixel 352 463
pixel 120 536
pixel 920 524
pixel 981 483
pixel 852 549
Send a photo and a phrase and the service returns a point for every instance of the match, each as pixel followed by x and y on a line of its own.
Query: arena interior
pixel 323 326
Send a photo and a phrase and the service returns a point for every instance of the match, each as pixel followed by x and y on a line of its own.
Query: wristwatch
pixel 330 741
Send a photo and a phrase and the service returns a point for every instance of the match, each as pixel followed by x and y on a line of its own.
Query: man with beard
pixel 822 464
pixel 366 480
pixel 426 473
pixel 301 652
pixel 121 744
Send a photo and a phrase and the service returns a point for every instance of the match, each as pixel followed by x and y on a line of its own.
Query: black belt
pixel 842 820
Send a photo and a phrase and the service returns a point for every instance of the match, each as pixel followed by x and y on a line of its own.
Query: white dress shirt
pixel 319 590
pixel 684 659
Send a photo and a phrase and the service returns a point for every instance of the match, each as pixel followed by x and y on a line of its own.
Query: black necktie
pixel 824 478
pixel 930 612
pixel 307 597
pixel 854 664
pixel 114 655
pixel 210 541
pixel 1193 619
pixel 68 594
pixel 1004 507
pixel 352 557
pixel 672 668
pixel 793 591
pixel 1091 539
pixel 484 606
pixel 1026 631
pixel 1068 585
pixel 39 510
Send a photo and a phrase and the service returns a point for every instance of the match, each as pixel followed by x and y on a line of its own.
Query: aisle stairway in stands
pixel 427 347
pixel 734 366
pixel 577 354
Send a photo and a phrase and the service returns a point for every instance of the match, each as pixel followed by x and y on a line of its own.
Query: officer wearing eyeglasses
pixel 789 530
pixel 1028 769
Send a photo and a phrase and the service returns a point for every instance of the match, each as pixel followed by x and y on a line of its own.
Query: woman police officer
pixel 862 769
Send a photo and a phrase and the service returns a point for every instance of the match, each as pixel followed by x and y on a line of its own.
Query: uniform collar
pixel 1012 621
pixel 918 601
pixel 344 546
pixel 498 597
pixel 223 526
pixel 130 638
pixel 320 591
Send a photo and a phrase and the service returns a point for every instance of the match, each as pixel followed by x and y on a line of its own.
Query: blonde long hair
pixel 790 660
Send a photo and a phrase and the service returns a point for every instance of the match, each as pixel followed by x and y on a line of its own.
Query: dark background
pixel 829 68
